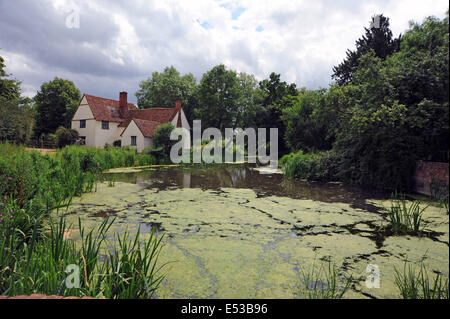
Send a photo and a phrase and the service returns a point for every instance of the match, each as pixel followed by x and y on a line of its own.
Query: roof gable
pixel 147 128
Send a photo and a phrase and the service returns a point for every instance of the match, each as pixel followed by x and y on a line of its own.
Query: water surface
pixel 236 233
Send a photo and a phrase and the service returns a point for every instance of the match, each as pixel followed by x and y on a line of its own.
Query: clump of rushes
pixel 34 252
pixel 36 260
pixel 131 269
pixel 419 284
pixel 444 204
pixel 404 219
pixel 323 283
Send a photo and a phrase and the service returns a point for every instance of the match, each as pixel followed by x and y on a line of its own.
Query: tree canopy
pixel 165 88
pixel 378 37
pixel 56 102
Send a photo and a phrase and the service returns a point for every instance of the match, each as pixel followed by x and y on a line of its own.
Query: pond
pixel 231 232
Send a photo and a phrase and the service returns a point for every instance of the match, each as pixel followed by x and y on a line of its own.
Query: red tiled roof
pixel 147 119
pixel 161 115
pixel 147 128
pixel 106 109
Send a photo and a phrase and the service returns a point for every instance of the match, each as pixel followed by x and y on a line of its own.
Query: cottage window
pixel 83 124
pixel 105 125
pixel 133 141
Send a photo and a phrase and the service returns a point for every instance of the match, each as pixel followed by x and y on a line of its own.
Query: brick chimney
pixel 178 105
pixel 123 104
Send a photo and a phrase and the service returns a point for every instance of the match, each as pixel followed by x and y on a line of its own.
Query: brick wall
pixel 431 178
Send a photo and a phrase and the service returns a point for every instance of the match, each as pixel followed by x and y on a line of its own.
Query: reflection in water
pixel 243 176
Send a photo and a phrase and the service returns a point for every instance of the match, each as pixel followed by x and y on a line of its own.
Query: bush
pixel 322 167
pixel 65 136
pixel 161 138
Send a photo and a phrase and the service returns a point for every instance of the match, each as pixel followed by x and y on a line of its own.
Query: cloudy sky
pixel 106 46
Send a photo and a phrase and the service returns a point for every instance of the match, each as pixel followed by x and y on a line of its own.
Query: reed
pixel 34 253
pixel 404 219
pixel 414 284
pixel 319 282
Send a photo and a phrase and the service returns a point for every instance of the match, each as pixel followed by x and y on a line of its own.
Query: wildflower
pixel 10 178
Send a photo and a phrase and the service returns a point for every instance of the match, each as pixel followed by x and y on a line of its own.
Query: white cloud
pixel 122 42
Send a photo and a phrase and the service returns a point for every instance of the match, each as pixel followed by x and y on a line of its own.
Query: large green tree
pixel 16 112
pixel 165 88
pixel 276 97
pixel 218 98
pixel 305 128
pixel 56 102
pixel 378 37
pixel 16 120
pixel 399 110
pixel 250 101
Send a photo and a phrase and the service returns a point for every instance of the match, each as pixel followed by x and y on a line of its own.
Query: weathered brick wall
pixel 431 178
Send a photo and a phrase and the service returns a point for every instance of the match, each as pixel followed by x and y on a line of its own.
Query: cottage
pixel 101 121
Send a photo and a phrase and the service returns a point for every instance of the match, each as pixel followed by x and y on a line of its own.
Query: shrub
pixel 161 138
pixel 65 136
pixel 321 167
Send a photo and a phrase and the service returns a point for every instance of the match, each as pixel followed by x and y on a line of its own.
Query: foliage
pixel 9 88
pixel 65 136
pixel 393 112
pixel 414 284
pixel 378 38
pixel 161 138
pixel 56 103
pixel 305 128
pixel 33 250
pixel 311 166
pixel 16 121
pixel 404 219
pixel 165 88
pixel 323 283
pixel 218 97
pixel 34 258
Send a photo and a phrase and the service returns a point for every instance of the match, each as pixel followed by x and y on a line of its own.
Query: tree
pixel 277 95
pixel 378 38
pixel 16 120
pixel 56 103
pixel 161 138
pixel 249 102
pixel 397 110
pixel 164 89
pixel 9 88
pixel 305 129
pixel 218 98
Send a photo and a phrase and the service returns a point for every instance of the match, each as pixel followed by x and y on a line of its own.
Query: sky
pixel 108 46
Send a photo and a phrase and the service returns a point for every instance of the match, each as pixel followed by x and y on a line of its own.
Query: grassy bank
pixel 34 254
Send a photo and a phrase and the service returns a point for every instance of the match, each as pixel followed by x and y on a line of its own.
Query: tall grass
pixel 34 253
pixel 404 219
pixel 319 282
pixel 36 261
pixel 414 284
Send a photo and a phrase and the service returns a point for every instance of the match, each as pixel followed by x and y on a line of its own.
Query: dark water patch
pixel 149 227
pixel 105 213
pixel 215 177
